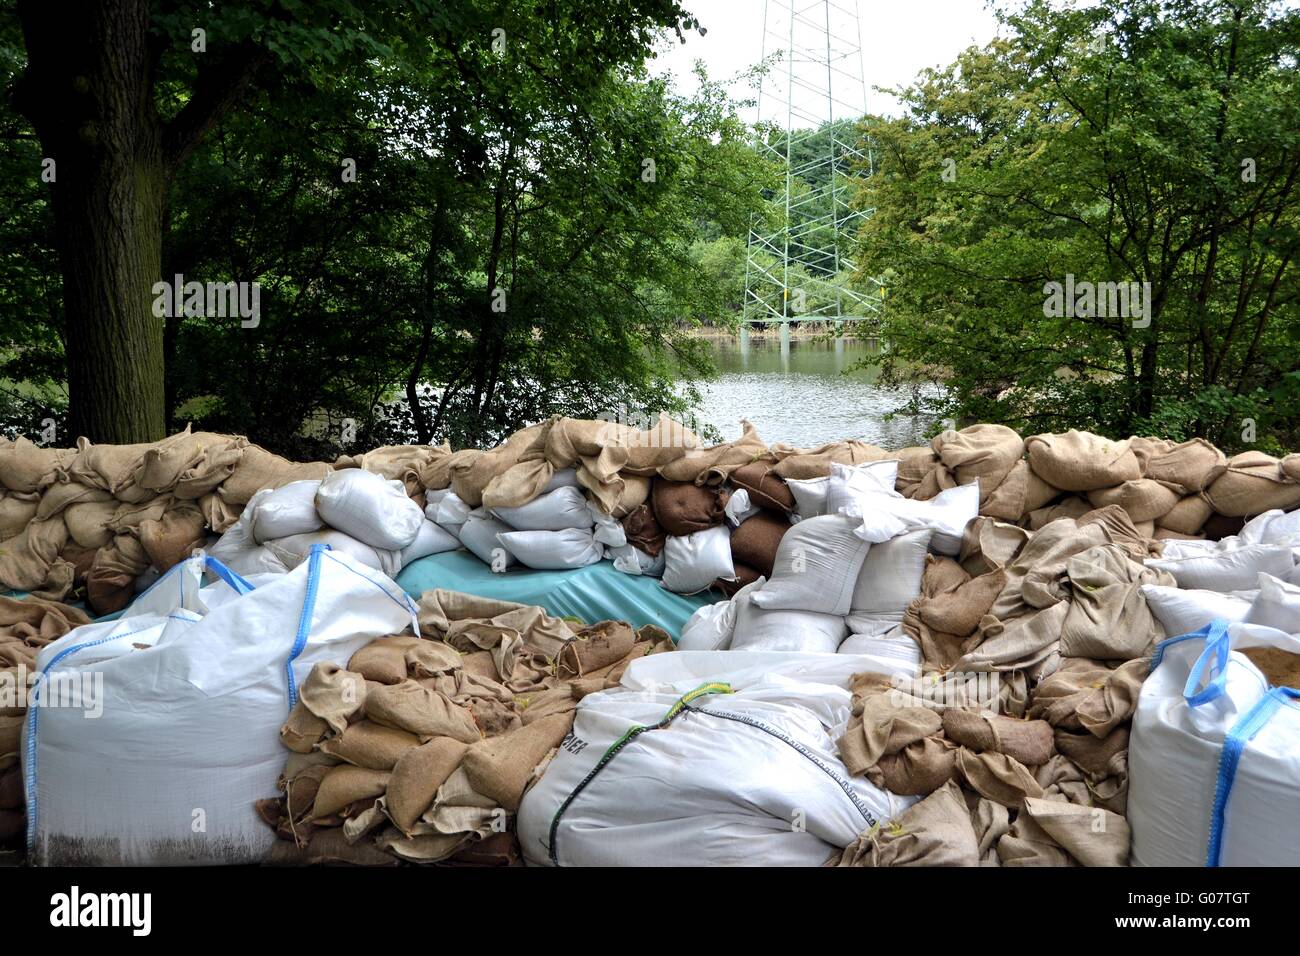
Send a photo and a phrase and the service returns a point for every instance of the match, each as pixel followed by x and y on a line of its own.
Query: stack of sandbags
pixel 422 749
pixel 25 627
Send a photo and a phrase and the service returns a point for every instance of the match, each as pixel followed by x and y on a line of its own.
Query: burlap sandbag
pixel 27 559
pixel 983 453
pixel 344 785
pixel 302 730
pixel 914 463
pixel 803 463
pixel 1291 466
pixel 259 468
pixel 1091 835
pixel 766 488
pixel 1252 483
pixel 996 776
pixel 383 661
pixel 643 531
pixel 754 543
pixel 189 464
pixel 500 767
pixel 421 711
pixel 1188 516
pixel 219 514
pixel 988 544
pixel 110 585
pixel 416 777
pixel 1146 448
pixel 371 745
pixel 882 725
pixel 408 464
pixel 63 494
pixel 682 507
pixel 712 465
pixel 472 476
pixel 1017 494
pixel 918 769
pixel 334 694
pixel 110 467
pixel 16 509
pixel 27 467
pixel 173 537
pixel 937 831
pixel 958 610
pixel 1027 741
pixel 1081 461
pixel 1187 467
pixel 1071 507
pixel 1145 499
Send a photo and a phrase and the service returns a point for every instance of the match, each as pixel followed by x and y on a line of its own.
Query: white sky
pixel 899 39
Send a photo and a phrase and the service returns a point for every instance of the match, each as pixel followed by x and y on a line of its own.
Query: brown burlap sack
pixel 343 786
pixel 90 524
pixel 1145 499
pixel 1019 493
pixel 755 541
pixel 173 537
pixel 58 496
pixel 259 468
pixel 802 463
pixel 1147 448
pixel 471 476
pixel 1071 507
pixel 958 610
pixel 189 465
pixel 429 658
pixel 16 509
pixel 303 730
pixel 81 559
pixel 983 453
pixel 594 647
pixel 1091 835
pixel 1027 741
pixel 27 467
pixel 383 661
pixel 110 467
pixel 1081 461
pixel 914 463
pixel 371 745
pixel 988 544
pixel 643 531
pixel 937 831
pixel 682 508
pixel 334 694
pixel 408 464
pixel 602 449
pixel 712 465
pixel 219 514
pixel 500 767
pixel 766 488
pixel 1250 484
pixel 1098 756
pixel 918 769
pixel 1291 466
pixel 421 711
pixel 1108 616
pixel 884 725
pixel 1188 467
pixel 1188 516
pixel 416 777
pixel 27 561
pixel 996 776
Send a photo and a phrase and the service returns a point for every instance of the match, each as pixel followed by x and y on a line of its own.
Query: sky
pixel 899 39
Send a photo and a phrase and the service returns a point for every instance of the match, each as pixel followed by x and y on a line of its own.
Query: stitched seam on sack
pixel 1234 745
pixel 304 620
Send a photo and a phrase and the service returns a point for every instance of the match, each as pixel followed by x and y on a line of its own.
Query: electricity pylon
pixel 810 102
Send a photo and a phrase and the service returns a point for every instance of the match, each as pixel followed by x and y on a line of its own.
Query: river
pixel 804 393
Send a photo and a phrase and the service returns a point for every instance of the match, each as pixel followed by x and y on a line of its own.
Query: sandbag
pixel 802 463
pixel 1277 605
pixel 1081 461
pixel 295 549
pixel 481 534
pixel 756 540
pixel 1187 467
pixel 766 488
pixel 284 511
pixel 812 495
pixel 758 629
pixel 711 627
pixel 259 468
pixel 432 538
pixel 16 509
pixel 1143 498
pixel 983 453
pixel 1187 516
pixel 816 568
pixel 27 467
pixel 1251 483
pixel 1184 610
pixel 692 562
pixel 553 550
pixel 558 510
pixel 682 508
pixel 713 465
pixel 191 711
pixel 890 578
pixel 371 509
pixel 173 537
pixel 90 523
pixel 189 465
pixel 1233 570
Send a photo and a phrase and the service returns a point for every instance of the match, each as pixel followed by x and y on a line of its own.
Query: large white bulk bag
pixel 284 511
pixel 1183 610
pixel 758 629
pixel 694 561
pixel 816 567
pixel 558 510
pixel 706 759
pixel 1234 570
pixel 372 509
pixel 1214 756
pixel 196 682
pixel 553 550
pixel 430 539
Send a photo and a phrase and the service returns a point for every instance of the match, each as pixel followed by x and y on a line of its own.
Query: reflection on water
pixel 801 391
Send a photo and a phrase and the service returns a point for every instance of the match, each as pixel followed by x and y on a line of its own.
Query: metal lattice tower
pixel 809 103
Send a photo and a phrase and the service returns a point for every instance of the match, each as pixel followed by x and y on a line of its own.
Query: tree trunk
pixel 88 93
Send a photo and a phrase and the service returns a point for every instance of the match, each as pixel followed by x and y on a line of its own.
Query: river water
pixel 804 392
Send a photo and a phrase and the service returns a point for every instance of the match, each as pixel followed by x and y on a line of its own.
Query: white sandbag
pixel 432 499
pixel 191 694
pixel 553 550
pixel 694 561
pixel 295 549
pixel 480 534
pixel 1184 610
pixel 1277 605
pixel 711 626
pixel 758 629
pixel 739 508
pixel 811 494
pixel 565 507
pixel 451 512
pixel 1235 570
pixel 630 559
pixel 883 516
pixel 677 769
pixel 432 538
pixel 371 509
pixel 561 478
pixel 817 565
pixel 284 511
pixel 1214 756
pixel 237 550
pixel 890 579
pixel 1272 527
pixel 885 643
pixel 846 484
pixel 607 529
